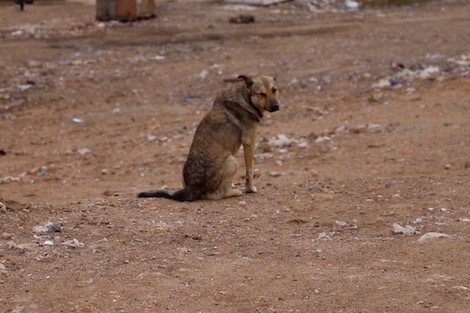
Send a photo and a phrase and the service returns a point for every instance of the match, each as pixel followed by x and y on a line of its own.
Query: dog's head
pixel 264 94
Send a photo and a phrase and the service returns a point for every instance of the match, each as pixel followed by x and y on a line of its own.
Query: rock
pixel 432 235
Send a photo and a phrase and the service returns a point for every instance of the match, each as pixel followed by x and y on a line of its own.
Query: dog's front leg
pixel 248 149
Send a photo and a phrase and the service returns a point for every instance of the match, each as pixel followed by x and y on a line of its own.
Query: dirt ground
pixel 363 176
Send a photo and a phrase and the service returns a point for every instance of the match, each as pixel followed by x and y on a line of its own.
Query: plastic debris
pixel 407 230
pixel 74 243
pixel 351 4
pixel 255 2
pixel 49 227
pixel 84 151
pixel 432 235
pixel 324 236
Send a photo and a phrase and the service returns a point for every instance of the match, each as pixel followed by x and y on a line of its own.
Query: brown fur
pixel 232 122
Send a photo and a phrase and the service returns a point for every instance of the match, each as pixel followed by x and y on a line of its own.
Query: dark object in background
pixel 21 3
pixel 2 152
pixel 243 19
pixel 124 10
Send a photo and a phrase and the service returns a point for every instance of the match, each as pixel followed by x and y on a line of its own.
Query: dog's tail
pixel 180 195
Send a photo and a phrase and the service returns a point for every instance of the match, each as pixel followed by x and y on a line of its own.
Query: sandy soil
pixel 363 175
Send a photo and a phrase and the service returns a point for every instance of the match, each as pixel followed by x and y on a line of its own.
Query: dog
pixel 232 122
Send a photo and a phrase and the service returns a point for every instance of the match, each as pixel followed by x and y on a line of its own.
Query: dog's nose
pixel 274 107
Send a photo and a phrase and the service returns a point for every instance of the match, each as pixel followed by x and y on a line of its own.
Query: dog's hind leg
pixel 225 176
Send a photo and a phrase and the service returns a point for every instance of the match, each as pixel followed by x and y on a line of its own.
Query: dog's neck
pixel 256 110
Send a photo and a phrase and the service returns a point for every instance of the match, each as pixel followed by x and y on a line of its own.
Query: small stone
pixel 274 174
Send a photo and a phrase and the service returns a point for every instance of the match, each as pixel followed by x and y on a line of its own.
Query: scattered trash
pixel 255 2
pixel 49 227
pixel 351 4
pixel 419 220
pixel 38 171
pixel 432 235
pixel 3 269
pixel 74 243
pixel 407 230
pixel 84 151
pixel 347 225
pixel 281 141
pixel 324 236
pixel 242 19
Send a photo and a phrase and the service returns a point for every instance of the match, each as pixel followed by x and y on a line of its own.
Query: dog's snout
pixel 274 106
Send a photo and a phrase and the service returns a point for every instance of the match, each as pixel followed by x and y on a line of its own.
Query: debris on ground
pixel 407 230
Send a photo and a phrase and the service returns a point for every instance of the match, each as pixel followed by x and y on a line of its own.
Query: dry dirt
pixel 92 113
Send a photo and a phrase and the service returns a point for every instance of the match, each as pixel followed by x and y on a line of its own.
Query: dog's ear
pixel 248 80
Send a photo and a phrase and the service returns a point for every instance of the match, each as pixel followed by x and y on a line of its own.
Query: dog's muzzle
pixel 273 106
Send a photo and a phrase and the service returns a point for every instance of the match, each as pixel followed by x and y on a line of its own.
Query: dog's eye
pixel 261 94
pixel 274 90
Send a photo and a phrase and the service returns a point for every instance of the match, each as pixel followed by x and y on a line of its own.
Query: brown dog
pixel 232 122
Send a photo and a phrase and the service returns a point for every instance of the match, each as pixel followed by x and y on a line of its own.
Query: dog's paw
pixel 250 189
